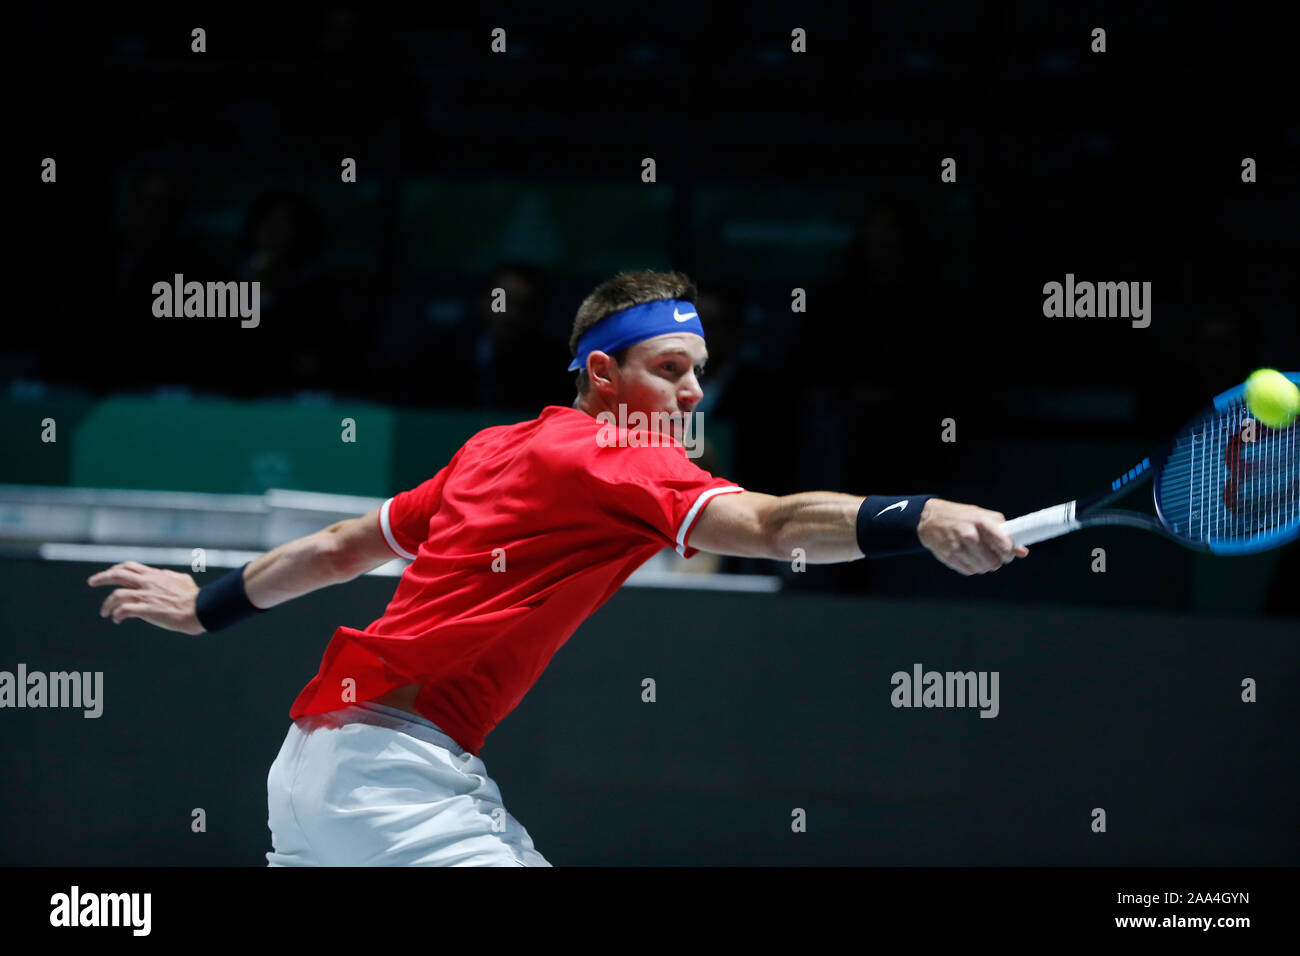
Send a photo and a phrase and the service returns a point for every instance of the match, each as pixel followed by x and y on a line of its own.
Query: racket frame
pixel 1091 511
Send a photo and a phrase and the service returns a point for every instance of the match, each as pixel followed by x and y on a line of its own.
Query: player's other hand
pixel 966 538
pixel 162 598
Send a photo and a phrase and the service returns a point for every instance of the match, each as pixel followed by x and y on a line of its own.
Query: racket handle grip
pixel 1040 525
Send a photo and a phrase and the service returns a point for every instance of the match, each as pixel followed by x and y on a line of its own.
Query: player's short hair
pixel 622 292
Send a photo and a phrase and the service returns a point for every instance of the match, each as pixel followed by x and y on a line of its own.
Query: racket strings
pixel 1224 481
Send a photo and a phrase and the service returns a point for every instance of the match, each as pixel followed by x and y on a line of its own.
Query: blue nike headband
pixel 620 330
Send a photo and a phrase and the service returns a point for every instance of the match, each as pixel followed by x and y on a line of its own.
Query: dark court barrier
pixel 772 737
pixel 341 446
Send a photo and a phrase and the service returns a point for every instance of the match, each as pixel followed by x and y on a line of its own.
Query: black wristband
pixel 887 524
pixel 224 601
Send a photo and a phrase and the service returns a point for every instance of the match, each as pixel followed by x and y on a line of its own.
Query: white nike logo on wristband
pixel 900 505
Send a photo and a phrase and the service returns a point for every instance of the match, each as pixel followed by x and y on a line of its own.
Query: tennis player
pixel 526 531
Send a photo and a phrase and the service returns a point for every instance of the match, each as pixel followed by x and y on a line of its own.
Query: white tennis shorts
pixel 371 785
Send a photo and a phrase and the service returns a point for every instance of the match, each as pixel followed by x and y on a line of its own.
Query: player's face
pixel 662 375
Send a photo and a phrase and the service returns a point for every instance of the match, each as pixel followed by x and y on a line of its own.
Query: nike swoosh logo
pixel 901 506
pixel 682 318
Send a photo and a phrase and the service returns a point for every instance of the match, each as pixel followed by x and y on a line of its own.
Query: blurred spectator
pixel 136 349
pixel 863 351
pixel 723 382
pixel 860 356
pixel 151 241
pixel 301 342
pixel 1221 357
pixel 505 359
pixel 351 94
pixel 1211 351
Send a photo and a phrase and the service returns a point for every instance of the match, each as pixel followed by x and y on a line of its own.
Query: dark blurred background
pixel 776 171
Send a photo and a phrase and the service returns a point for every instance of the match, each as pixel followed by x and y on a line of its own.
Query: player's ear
pixel 601 371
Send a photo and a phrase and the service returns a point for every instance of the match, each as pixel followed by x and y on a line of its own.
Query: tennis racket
pixel 1225 484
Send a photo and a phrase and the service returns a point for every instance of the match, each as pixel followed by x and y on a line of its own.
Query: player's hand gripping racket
pixel 1225 484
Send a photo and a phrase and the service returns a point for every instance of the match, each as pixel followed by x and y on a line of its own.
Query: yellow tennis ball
pixel 1272 397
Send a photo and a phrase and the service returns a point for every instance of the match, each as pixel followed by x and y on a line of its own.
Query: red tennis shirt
pixel 526 531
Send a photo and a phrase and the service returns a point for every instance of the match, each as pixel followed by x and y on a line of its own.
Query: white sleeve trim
pixel 695 510
pixel 388 532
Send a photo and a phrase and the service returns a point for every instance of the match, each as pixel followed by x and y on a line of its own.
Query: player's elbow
pixel 334 554
pixel 332 557
pixel 775 528
pixel 763 528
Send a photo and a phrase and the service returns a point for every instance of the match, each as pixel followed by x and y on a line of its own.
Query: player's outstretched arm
pixel 169 599
pixel 826 526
